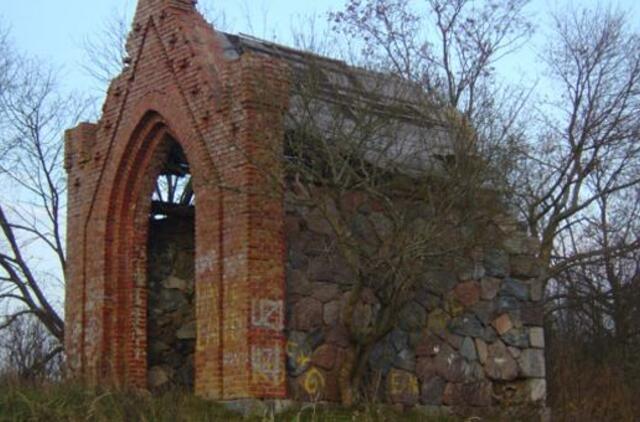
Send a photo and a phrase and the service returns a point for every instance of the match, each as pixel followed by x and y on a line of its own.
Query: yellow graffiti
pixel 302 359
pixel 454 307
pixel 266 365
pixel 291 347
pixel 437 321
pixel 297 354
pixel 401 383
pixel 314 382
pixel 274 378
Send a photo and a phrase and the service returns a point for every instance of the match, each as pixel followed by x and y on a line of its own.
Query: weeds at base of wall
pixel 73 402
pixel 593 383
pixel 50 402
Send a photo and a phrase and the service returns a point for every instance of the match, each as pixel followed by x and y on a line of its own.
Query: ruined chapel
pixel 181 274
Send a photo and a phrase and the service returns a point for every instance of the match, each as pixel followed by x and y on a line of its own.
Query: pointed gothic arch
pixel 174 88
pixel 127 230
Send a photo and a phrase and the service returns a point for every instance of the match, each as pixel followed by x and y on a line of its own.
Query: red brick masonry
pixel 179 84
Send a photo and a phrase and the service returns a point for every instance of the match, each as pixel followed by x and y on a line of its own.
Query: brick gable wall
pixel 178 84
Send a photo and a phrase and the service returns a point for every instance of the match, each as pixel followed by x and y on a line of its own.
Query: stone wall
pixel 171 316
pixel 472 336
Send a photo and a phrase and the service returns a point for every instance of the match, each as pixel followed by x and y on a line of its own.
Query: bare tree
pixel 7 70
pixel 105 50
pixel 450 48
pixel 392 182
pixel 571 167
pixel 593 312
pixel 33 115
pixel 29 352
pixel 587 132
pixel 597 297
pixel 587 147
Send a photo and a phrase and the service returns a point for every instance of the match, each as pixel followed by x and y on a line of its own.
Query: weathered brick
pixel 171 90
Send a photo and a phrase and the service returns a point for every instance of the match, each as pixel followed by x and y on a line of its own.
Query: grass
pixel 74 403
pixel 69 402
pixel 593 387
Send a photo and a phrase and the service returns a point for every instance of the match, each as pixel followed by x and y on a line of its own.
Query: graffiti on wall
pixel 233 358
pixel 269 314
pixel 267 365
pixel 314 382
pixel 402 383
pixel 298 357
pixel 205 262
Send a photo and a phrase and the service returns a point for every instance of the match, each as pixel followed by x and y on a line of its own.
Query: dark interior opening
pixel 171 321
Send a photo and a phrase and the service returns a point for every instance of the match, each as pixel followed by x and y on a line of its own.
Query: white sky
pixel 54 29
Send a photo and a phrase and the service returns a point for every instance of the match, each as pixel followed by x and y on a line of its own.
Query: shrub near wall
pixel 471 336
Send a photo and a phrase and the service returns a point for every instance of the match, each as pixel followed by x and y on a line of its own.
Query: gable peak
pixel 148 7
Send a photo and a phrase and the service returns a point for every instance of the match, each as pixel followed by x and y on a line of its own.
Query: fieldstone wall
pixel 472 337
pixel 171 328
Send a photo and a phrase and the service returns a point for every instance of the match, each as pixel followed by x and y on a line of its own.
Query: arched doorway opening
pixel 171 316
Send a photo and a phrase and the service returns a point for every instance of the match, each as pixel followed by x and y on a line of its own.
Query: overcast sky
pixel 54 29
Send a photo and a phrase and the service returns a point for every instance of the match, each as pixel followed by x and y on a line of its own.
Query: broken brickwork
pixel 177 85
pixel 266 305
